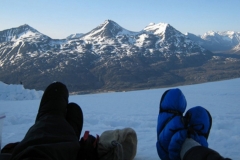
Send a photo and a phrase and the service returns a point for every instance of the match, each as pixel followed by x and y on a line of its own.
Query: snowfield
pixel 138 110
pixel 17 92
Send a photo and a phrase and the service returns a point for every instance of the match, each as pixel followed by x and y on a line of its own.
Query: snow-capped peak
pixel 230 36
pixel 108 29
pixel 27 27
pixel 209 33
pixel 21 32
pixel 151 24
pixel 108 21
pixel 109 24
pixel 228 32
pixel 159 28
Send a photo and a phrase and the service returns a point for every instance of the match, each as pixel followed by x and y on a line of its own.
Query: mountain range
pixel 110 57
pixel 218 41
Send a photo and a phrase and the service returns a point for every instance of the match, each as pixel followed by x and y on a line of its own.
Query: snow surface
pixel 14 92
pixel 139 110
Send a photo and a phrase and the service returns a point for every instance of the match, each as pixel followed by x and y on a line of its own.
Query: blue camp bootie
pixel 197 122
pixel 171 109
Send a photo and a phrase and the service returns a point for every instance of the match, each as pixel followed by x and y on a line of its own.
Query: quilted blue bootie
pixel 197 122
pixel 172 106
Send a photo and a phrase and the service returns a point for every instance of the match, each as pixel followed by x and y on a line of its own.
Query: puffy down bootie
pixel 197 122
pixel 172 107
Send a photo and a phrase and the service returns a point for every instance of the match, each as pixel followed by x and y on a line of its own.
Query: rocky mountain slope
pixel 108 57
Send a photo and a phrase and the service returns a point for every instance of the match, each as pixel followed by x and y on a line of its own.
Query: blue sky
pixel 60 18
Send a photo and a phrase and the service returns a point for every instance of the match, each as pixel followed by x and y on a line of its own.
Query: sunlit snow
pixel 159 28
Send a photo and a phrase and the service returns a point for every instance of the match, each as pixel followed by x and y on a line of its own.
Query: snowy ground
pixel 139 110
pixel 17 92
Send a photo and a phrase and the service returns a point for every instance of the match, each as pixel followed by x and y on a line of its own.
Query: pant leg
pixel 49 138
pixel 202 153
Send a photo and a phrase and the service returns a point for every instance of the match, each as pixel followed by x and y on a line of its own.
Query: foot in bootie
pixel 75 118
pixel 198 122
pixel 54 101
pixel 172 106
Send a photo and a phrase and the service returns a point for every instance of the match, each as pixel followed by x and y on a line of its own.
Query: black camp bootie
pixel 74 117
pixel 54 101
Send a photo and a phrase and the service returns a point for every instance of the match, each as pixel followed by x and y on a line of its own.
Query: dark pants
pixel 50 138
pixel 203 153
